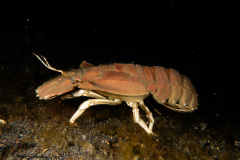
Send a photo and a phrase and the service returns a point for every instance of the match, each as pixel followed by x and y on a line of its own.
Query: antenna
pixel 46 64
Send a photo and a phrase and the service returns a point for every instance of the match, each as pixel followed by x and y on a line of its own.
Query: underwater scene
pixel 202 124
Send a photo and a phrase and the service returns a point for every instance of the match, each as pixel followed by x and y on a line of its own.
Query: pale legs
pixel 92 102
pixel 82 92
pixel 138 120
pixel 103 100
pixel 88 103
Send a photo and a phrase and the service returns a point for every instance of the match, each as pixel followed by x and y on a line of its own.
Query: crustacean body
pixel 115 83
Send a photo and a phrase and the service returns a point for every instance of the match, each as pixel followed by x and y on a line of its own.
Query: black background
pixel 200 40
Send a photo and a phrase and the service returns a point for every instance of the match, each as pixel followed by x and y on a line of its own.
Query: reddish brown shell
pixel 85 64
pixel 170 88
pixel 54 87
pixel 121 79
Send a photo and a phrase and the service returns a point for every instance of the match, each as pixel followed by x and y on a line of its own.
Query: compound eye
pixel 77 81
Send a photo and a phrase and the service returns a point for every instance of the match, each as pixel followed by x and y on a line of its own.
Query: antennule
pixel 46 64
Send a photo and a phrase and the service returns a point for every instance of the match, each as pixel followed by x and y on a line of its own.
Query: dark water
pixel 202 43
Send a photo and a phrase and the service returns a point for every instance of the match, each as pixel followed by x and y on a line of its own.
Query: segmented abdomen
pixel 169 87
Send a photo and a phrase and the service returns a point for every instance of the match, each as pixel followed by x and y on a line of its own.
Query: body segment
pixel 169 88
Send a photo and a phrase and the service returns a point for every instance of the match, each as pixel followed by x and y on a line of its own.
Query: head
pixel 58 85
